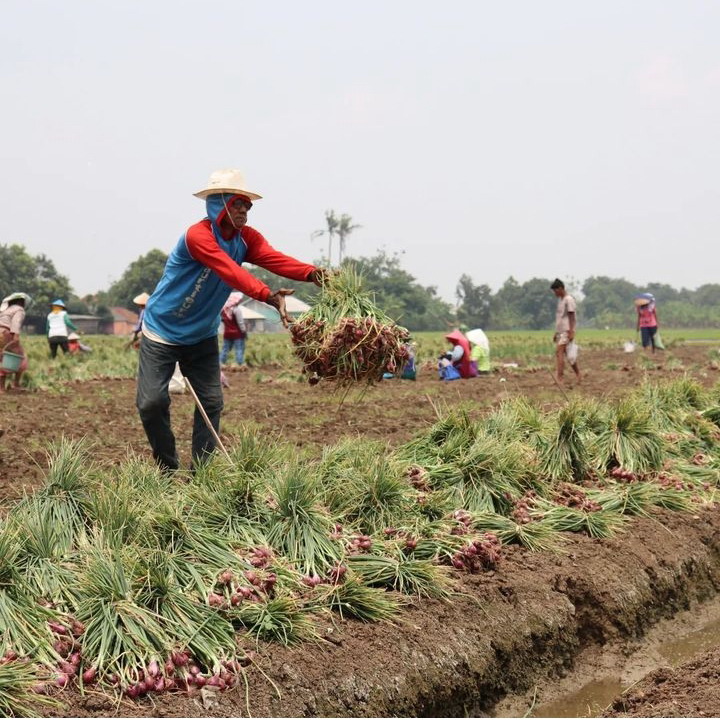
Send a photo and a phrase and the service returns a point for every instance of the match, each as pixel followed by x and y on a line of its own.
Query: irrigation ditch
pixel 523 639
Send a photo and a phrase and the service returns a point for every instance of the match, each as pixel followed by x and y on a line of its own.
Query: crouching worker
pixel 479 351
pixel 456 363
pixel 75 344
pixel 409 370
pixel 182 315
pixel 12 315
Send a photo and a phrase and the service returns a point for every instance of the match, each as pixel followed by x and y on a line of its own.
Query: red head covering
pixel 457 337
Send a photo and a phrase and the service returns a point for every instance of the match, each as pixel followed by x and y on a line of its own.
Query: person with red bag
pixel 234 330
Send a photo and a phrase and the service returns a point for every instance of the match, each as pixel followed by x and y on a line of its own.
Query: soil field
pixel 502 633
pixel 690 690
pixel 103 411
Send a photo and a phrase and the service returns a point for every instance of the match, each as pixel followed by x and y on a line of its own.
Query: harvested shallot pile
pixel 346 338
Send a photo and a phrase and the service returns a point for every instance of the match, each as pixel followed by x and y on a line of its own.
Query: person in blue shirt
pixel 182 315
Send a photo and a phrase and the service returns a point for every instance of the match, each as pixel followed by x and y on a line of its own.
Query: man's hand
pixel 319 276
pixel 277 300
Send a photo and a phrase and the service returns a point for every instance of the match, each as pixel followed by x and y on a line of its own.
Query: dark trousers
pixel 201 365
pixel 56 342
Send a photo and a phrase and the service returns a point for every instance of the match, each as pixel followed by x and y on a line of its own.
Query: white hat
pixel 226 181
pixel 141 299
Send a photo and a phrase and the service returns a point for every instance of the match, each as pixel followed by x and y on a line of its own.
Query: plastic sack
pixel 571 352
pixel 657 341
pixel 177 382
pixel 449 373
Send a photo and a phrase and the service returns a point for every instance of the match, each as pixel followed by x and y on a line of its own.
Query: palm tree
pixel 332 228
pixel 345 227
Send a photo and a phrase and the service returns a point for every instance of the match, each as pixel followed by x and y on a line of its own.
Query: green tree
pixel 141 276
pixel 35 275
pixel 707 295
pixel 505 310
pixel 474 303
pixel 398 293
pixel 345 227
pixel 605 296
pixel 332 224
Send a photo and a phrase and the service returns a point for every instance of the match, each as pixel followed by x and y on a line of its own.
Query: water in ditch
pixel 672 643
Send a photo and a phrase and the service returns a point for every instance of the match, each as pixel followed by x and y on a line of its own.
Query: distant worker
pixel 12 315
pixel 479 351
pixel 458 358
pixel 58 324
pixel 75 345
pixel 564 337
pixel 647 321
pixel 141 300
pixel 234 330
pixel 182 316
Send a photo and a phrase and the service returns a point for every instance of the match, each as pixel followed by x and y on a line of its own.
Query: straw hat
pixel 141 299
pixel 227 181
pixel 73 336
pixel 642 302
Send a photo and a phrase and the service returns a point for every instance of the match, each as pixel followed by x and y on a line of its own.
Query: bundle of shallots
pixel 345 338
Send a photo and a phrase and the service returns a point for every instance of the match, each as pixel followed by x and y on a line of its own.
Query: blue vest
pixel 185 306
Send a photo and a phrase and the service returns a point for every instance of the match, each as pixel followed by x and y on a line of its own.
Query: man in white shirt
pixel 565 321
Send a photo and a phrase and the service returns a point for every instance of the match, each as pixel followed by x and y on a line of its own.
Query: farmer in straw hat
pixel 141 300
pixel 182 315
pixel 12 315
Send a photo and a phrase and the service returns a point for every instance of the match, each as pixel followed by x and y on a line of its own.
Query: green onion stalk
pixel 345 338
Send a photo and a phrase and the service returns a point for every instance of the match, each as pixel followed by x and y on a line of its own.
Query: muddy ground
pixel 690 690
pixel 503 632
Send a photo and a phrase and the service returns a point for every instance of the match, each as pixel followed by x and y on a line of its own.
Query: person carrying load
pixel 182 316
pixel 12 315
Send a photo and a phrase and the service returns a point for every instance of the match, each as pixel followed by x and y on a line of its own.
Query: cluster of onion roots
pixel 345 338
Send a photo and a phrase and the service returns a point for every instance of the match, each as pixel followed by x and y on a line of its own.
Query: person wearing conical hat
pixel 58 324
pixel 182 316
pixel 458 357
pixel 12 315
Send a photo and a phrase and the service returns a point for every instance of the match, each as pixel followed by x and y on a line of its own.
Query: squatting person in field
pixel 565 322
pixel 182 316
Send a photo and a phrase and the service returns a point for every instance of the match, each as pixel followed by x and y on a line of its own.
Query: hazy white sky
pixel 526 137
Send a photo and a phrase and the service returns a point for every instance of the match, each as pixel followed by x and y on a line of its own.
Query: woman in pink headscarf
pixel 459 355
pixel 647 322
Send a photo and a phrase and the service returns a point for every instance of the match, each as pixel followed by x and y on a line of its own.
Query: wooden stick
pixel 207 419
pixel 560 387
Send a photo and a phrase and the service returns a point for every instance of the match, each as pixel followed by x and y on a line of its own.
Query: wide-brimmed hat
pixel 141 299
pixel 643 299
pixel 73 336
pixel 14 297
pixel 58 303
pixel 227 181
pixel 479 338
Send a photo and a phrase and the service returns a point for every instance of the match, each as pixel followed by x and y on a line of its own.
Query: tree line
pixel 602 301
